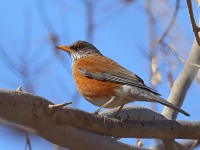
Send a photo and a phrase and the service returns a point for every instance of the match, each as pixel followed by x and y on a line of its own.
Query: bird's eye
pixel 79 47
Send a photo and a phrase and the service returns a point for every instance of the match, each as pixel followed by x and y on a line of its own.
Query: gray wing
pixel 118 75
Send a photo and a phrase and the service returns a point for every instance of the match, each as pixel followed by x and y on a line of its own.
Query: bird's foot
pixel 96 112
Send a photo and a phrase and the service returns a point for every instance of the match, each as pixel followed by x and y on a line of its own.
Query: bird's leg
pixel 117 113
pixel 104 105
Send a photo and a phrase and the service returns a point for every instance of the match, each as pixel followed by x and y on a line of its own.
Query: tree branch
pixel 170 25
pixel 183 82
pixel 33 111
pixel 195 28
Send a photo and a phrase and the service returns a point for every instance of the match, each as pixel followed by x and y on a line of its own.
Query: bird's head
pixel 79 49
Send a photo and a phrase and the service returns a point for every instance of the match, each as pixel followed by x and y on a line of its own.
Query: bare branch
pixel 183 82
pixel 195 28
pixel 89 4
pixel 173 50
pixel 170 25
pixel 136 113
pixel 28 142
pixel 191 144
pixel 32 111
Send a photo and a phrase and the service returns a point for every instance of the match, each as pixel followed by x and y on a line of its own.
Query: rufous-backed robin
pixel 105 83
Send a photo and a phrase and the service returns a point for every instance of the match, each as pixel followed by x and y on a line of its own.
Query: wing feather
pixel 112 72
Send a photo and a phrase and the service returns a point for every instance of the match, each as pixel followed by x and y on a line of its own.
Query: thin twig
pixel 58 105
pixel 173 50
pixel 19 89
pixel 195 28
pixel 170 25
pixel 89 4
pixel 44 16
pixel 9 62
pixel 28 143
pixel 195 144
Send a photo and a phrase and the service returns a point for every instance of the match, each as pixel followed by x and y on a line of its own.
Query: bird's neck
pixel 75 57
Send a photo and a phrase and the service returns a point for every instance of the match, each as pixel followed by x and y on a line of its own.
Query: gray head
pixel 79 49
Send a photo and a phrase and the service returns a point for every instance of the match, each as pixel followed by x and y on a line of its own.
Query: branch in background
pixel 183 82
pixel 44 16
pixel 89 5
pixel 198 77
pixel 170 25
pixel 153 67
pixel 28 142
pixel 169 146
pixel 13 66
pixel 22 66
pixel 155 73
pixel 52 35
pixel 195 28
pixel 191 144
pixel 195 144
pixel 173 50
pixel 111 11
pixel 69 135
pixel 170 79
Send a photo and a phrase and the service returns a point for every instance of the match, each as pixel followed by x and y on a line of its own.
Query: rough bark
pixel 33 111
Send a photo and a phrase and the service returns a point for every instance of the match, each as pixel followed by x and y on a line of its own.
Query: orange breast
pixel 92 89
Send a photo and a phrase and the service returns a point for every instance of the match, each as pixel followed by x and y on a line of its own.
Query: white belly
pixel 123 96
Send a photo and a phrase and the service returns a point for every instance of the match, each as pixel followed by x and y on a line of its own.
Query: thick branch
pixel 183 82
pixel 32 111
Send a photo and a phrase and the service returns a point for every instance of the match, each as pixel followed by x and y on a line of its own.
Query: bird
pixel 105 83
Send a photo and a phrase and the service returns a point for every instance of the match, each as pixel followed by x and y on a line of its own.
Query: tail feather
pixel 168 104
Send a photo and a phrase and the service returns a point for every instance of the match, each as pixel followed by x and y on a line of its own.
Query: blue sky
pixel 120 31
